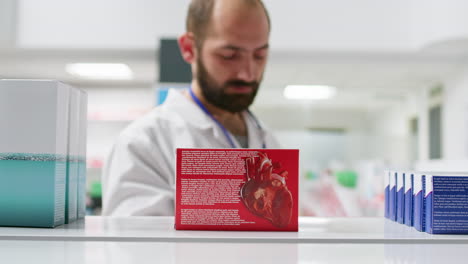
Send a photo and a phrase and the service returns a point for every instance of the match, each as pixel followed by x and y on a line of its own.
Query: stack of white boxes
pixel 432 202
pixel 42 153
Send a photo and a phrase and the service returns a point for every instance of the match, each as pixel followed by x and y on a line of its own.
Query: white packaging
pixel 71 194
pixel 33 152
pixel 82 155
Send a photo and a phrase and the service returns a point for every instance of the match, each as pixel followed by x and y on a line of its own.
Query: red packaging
pixel 237 189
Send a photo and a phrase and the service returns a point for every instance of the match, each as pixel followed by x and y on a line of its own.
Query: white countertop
pixel 154 240
pixel 160 229
pixel 60 252
pixel 55 252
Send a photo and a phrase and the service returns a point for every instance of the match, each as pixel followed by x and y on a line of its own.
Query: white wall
pixel 360 25
pixel 393 124
pixel 455 118
pixel 435 21
pixel 7 23
pixel 419 104
pixel 110 24
pixel 389 135
pixel 333 25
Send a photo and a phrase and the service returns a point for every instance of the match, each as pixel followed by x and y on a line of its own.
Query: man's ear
pixel 187 47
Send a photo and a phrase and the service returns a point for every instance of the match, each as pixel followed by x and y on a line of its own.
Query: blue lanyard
pixel 225 132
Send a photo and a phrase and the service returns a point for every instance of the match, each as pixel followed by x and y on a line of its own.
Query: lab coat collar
pixel 178 102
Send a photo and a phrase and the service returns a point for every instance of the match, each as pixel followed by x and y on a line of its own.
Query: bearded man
pixel 226 44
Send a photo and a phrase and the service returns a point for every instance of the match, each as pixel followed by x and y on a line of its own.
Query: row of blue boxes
pixel 432 202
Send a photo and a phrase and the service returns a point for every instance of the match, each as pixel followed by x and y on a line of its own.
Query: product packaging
pixel 418 201
pixel 71 191
pixel 446 203
pixel 33 152
pixel 400 196
pixel 393 196
pixel 82 155
pixel 387 194
pixel 237 189
pixel 408 216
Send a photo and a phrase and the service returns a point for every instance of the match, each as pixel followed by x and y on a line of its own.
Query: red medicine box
pixel 237 189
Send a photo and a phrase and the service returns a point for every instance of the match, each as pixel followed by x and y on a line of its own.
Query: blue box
pixel 446 203
pixel 400 199
pixel 387 193
pixel 393 196
pixel 418 201
pixel 409 182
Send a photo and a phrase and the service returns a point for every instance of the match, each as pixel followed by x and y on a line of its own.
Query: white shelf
pixel 154 240
pixel 160 229
pixel 55 252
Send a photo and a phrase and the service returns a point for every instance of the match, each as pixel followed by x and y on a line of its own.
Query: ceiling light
pixel 309 92
pixel 100 71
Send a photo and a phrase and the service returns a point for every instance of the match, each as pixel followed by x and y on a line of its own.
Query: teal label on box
pixel 82 188
pixel 71 193
pixel 32 189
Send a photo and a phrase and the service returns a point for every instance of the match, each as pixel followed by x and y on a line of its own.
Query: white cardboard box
pixel 33 152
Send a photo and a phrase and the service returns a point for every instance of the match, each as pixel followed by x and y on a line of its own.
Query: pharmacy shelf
pixel 55 252
pixel 153 240
pixel 160 229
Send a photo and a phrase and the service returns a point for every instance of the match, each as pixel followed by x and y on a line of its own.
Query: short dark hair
pixel 199 16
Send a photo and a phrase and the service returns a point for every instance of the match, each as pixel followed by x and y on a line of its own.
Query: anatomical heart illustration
pixel 237 189
pixel 265 193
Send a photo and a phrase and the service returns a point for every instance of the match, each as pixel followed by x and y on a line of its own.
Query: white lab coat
pixel 139 175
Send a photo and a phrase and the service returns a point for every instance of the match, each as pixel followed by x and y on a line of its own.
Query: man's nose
pixel 247 71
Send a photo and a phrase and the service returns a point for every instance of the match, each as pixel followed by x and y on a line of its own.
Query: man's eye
pixel 259 57
pixel 228 56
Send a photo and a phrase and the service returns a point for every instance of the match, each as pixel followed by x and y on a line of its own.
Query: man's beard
pixel 216 95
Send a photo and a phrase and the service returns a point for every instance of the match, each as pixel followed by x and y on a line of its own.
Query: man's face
pixel 231 59
pixel 217 93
